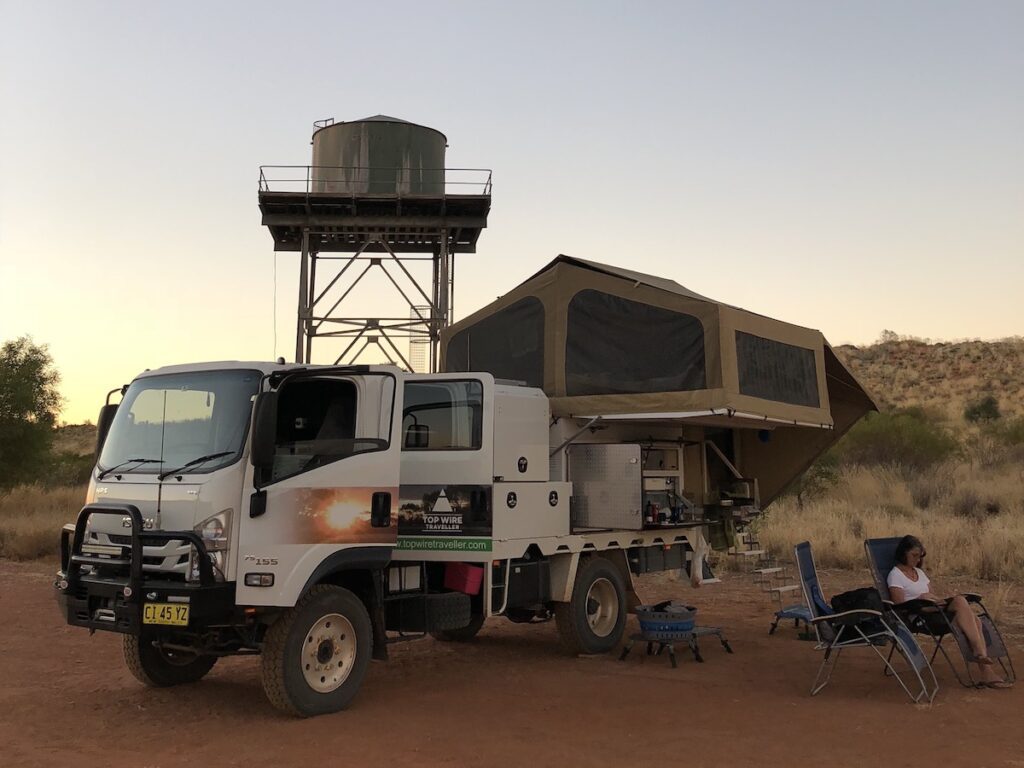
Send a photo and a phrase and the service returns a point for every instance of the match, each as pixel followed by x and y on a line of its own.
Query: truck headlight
pixel 215 531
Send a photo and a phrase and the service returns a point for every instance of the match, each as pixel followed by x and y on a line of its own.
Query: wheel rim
pixel 173 658
pixel 328 653
pixel 178 658
pixel 602 607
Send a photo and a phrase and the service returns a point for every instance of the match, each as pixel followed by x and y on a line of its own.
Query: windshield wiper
pixel 194 462
pixel 106 472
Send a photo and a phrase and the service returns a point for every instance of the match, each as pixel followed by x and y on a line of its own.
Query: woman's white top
pixel 911 589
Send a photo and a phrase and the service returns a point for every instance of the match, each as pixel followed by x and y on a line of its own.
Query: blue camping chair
pixel 926 618
pixel 862 628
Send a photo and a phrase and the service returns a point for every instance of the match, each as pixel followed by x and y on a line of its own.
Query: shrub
pixel 908 439
pixel 986 409
pixel 1010 432
pixel 68 469
pixel 966 503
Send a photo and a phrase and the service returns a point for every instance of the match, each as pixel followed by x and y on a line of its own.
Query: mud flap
pixel 380 635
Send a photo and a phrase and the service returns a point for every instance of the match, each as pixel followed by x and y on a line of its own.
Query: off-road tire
pixel 573 618
pixel 161 669
pixel 462 634
pixel 284 679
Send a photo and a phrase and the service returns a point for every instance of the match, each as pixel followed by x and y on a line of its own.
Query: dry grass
pixel 31 518
pixel 970 518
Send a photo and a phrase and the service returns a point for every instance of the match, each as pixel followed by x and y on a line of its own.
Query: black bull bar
pixel 111 595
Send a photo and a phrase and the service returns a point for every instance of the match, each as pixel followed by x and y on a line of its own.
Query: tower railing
pixel 302 178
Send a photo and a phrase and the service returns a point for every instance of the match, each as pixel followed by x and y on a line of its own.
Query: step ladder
pixel 777 580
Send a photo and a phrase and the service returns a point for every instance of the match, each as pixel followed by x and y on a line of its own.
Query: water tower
pixel 376 198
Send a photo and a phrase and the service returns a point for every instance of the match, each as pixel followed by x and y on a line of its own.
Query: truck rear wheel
pixel 159 668
pixel 316 655
pixel 595 617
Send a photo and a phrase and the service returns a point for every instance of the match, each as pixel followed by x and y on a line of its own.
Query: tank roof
pixel 381 119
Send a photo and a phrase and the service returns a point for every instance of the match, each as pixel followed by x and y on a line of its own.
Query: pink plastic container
pixel 463 577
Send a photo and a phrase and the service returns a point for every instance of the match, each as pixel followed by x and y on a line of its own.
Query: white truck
pixel 314 514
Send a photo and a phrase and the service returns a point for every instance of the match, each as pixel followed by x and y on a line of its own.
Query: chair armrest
pixel 919 606
pixel 864 612
pixel 971 597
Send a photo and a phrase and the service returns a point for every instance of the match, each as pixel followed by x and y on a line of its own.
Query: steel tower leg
pixel 443 299
pixel 303 297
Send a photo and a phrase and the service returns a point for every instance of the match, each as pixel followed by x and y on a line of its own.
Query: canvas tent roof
pixel 605 341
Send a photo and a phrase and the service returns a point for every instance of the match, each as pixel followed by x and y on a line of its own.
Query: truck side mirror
pixel 264 430
pixel 103 422
pixel 417 436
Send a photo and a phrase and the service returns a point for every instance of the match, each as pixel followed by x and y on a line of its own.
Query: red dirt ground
pixel 510 698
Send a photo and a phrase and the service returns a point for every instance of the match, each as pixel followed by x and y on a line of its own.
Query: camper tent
pixel 629 347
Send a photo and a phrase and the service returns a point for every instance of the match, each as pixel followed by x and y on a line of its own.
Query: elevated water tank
pixel 378 155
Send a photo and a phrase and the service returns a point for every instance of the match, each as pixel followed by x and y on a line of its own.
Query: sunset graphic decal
pixel 341 516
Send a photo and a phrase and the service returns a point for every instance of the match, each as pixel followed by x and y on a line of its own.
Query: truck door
pixel 326 495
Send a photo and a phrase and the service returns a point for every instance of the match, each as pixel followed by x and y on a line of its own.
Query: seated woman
pixel 908 582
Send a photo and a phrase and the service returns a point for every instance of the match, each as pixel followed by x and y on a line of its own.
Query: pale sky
pixel 848 166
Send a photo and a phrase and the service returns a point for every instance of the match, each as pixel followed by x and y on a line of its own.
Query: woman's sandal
pixel 1000 684
pixel 985 660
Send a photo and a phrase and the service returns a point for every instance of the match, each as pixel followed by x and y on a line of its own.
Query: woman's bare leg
pixel 987 672
pixel 969 624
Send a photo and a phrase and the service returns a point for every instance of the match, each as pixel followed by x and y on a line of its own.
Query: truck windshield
pixel 177 418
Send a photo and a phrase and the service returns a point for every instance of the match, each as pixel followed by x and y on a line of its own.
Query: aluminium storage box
pixel 607 486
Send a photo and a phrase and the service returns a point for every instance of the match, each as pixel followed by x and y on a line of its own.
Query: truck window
pixel 442 415
pixel 179 417
pixel 317 424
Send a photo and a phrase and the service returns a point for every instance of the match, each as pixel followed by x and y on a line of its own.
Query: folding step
pixel 785 588
pixel 748 553
pixel 765 571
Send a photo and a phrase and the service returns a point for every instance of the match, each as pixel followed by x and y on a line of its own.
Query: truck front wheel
pixel 595 617
pixel 315 656
pixel 159 668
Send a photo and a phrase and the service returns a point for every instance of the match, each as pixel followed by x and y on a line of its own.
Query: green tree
pixel 29 404
pixel 817 480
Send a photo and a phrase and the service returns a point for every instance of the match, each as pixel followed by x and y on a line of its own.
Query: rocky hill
pixel 942 377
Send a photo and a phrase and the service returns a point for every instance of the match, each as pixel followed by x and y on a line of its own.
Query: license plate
pixel 174 614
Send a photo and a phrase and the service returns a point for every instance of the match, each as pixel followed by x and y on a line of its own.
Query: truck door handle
pixel 380 510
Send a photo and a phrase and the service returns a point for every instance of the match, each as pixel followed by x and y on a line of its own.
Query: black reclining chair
pixel 924 617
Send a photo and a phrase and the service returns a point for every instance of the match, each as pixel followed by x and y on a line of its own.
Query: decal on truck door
pixel 334 516
pixel 450 510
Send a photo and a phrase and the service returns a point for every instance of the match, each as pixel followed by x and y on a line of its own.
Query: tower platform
pixel 340 222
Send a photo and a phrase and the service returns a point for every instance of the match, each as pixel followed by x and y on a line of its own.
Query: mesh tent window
pixel 509 344
pixel 776 371
pixel 618 346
